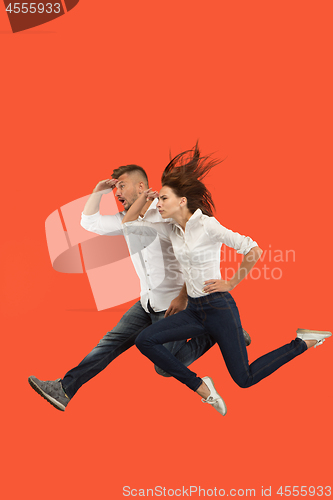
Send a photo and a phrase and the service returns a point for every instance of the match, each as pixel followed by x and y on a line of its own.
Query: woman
pixel 197 237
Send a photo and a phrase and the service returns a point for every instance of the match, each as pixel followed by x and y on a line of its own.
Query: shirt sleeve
pixel 217 232
pixel 144 227
pixel 153 215
pixel 102 224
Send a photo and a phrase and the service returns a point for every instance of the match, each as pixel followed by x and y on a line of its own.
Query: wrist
pixel 141 199
pixel 232 283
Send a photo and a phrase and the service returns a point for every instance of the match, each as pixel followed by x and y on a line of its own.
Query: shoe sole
pixel 48 398
pixel 320 332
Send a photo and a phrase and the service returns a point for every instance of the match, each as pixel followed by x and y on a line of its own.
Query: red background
pixel 115 83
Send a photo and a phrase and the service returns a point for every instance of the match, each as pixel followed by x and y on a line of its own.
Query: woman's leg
pixel 180 326
pixel 223 323
pixel 218 315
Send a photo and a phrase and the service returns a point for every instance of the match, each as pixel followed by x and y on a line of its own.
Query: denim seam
pixel 207 299
pixel 201 381
pixel 263 367
pixel 246 365
pixel 195 376
pixel 102 359
pixel 218 308
pixel 205 315
pixel 277 359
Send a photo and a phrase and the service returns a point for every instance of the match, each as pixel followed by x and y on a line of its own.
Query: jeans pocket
pixel 219 303
pixel 228 297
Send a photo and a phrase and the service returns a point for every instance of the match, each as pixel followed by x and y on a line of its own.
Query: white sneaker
pixel 214 399
pixel 317 335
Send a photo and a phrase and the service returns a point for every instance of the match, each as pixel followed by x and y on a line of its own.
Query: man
pixel 162 290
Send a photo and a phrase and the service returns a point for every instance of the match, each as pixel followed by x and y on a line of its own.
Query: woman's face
pixel 169 204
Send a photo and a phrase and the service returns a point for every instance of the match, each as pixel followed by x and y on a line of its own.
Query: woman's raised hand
pixel 150 194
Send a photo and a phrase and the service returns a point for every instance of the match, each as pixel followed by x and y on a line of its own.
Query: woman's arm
pixel 140 206
pixel 225 286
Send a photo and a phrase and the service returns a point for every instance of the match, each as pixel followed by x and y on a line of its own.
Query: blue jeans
pixel 121 338
pixel 217 314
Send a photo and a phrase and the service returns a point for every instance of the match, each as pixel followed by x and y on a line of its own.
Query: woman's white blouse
pixel 198 248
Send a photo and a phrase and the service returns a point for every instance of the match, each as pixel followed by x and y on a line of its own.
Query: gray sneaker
pixel 247 338
pixel 52 391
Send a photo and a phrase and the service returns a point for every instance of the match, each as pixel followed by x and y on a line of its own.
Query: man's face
pixel 128 189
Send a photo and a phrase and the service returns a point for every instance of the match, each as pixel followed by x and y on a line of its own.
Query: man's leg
pixel 173 347
pixel 115 342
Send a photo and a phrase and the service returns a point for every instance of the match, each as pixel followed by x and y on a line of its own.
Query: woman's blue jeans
pixel 121 338
pixel 216 314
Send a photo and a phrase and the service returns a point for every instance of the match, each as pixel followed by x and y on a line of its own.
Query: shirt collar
pixel 194 217
pixel 192 220
pixel 153 205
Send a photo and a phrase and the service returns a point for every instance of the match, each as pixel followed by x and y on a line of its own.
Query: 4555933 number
pixel 32 8
pixel 303 491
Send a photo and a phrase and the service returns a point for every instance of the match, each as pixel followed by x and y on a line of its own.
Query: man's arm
pixel 178 303
pixel 103 187
pixel 92 220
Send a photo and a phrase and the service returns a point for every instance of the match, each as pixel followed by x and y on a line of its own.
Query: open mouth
pixel 122 201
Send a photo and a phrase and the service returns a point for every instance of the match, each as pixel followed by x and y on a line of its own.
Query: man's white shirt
pixel 152 255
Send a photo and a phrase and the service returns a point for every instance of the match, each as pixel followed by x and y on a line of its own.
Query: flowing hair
pixel 184 175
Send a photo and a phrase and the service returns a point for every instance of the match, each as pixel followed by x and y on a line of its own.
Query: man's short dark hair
pixel 126 169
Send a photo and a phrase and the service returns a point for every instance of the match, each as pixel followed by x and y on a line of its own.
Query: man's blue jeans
pixel 216 314
pixel 121 338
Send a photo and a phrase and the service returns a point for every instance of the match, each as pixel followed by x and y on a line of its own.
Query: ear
pixel 183 202
pixel 142 187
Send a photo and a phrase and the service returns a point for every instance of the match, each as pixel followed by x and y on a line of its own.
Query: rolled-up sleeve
pixel 217 232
